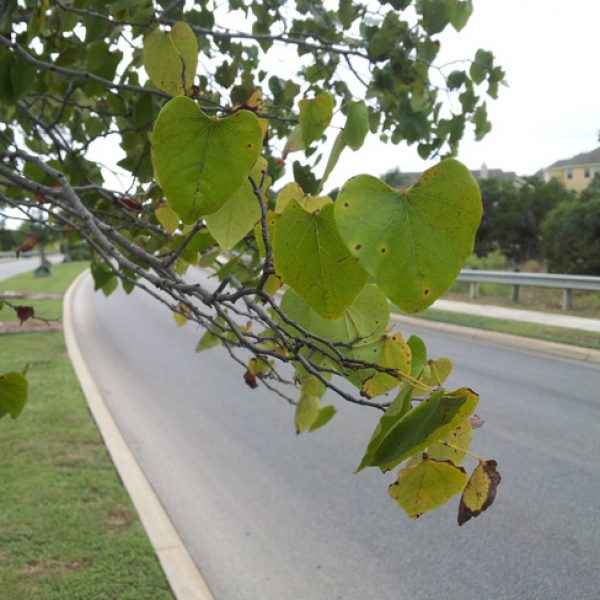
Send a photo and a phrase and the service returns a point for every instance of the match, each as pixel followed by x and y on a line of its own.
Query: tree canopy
pixel 210 127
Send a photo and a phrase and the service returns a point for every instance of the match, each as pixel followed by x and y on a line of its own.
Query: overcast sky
pixel 549 50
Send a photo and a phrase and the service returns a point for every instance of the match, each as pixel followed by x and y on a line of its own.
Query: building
pixel 575 173
pixel 409 178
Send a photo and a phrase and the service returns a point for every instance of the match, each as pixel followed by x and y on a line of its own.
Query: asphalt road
pixel 268 515
pixel 10 267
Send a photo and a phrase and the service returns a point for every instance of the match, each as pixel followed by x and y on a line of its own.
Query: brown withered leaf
pixel 250 379
pixel 24 313
pixel 479 492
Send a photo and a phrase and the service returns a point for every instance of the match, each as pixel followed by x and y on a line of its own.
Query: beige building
pixel 575 173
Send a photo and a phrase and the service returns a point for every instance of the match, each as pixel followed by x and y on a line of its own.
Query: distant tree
pixel 571 237
pixel 395 178
pixel 512 216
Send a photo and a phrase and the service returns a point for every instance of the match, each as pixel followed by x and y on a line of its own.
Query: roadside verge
pixel 182 574
pixel 506 339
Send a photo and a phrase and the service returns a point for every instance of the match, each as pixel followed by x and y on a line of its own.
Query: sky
pixel 551 109
pixel 548 112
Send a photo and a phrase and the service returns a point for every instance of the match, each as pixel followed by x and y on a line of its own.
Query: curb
pixel 183 576
pixel 588 355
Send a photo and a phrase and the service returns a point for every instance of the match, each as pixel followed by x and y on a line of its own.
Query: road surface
pixel 10 267
pixel 268 515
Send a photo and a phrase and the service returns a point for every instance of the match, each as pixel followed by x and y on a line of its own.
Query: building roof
pixel 479 174
pixel 585 158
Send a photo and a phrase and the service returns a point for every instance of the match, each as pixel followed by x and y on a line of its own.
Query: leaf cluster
pixel 205 131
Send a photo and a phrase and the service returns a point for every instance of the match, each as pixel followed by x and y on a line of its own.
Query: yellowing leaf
pixel 170 58
pixel 395 355
pixel 310 257
pixel 180 317
pixel 200 161
pixel 437 371
pixel 414 241
pixel 167 217
pixel 295 142
pixel 453 445
pixel 480 491
pixel 426 485
pixel 240 212
pixel 292 191
pixel 315 116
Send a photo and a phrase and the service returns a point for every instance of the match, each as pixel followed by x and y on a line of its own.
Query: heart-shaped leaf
pixel 200 161
pixel 414 241
pixel 311 258
pixel 427 485
pixel 171 58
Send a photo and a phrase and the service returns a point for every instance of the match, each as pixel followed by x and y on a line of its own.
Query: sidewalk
pixel 517 314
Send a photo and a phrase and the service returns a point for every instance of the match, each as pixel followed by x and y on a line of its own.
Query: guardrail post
pixel 514 294
pixel 567 299
pixel 474 290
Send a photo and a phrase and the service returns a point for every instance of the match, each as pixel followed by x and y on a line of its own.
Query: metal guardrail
pixel 567 283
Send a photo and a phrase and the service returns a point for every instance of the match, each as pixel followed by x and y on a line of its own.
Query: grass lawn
pixel 68 530
pixel 574 337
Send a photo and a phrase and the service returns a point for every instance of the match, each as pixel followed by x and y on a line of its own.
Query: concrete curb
pixel 506 339
pixel 182 574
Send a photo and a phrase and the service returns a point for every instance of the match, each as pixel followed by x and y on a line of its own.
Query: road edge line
pixel 182 574
pixel 588 355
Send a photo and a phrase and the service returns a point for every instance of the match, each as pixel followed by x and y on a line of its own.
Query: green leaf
pixel 357 125
pixel 366 318
pixel 241 211
pixel 414 241
pixel 307 411
pixel 395 354
pixel 310 416
pixel 325 415
pixel 167 217
pixel 396 410
pixel 200 161
pixel 336 150
pixel 419 355
pixel 315 116
pixel 424 424
pixel 208 340
pixel 170 58
pixel 480 491
pixel 102 60
pixel 427 485
pixel 13 393
pixel 311 258
pixel 461 14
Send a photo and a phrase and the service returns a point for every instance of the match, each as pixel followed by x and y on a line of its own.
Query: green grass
pixel 574 337
pixel 51 310
pixel 68 530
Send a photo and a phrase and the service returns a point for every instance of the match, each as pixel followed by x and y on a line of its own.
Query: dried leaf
pixel 479 492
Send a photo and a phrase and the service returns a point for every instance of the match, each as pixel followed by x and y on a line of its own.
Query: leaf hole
pixel 346 204
pixel 383 250
pixel 249 145
pixel 358 247
pixel 426 292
